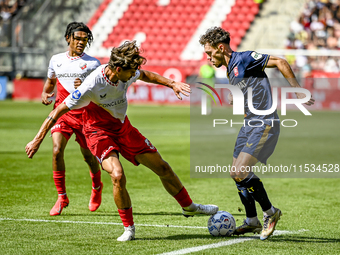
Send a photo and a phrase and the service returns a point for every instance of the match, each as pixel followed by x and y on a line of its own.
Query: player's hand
pixel 77 83
pixel 302 95
pixel 230 98
pixel 180 87
pixel 31 148
pixel 45 98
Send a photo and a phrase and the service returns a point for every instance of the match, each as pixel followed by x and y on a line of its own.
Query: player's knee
pixel 58 152
pixel 237 174
pixel 117 176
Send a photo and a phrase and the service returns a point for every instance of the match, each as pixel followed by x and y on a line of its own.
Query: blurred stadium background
pixel 305 32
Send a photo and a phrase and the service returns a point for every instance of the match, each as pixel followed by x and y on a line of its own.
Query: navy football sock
pixel 247 200
pixel 256 190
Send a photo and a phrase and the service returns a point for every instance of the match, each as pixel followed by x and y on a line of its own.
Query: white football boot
pixel 128 235
pixel 200 209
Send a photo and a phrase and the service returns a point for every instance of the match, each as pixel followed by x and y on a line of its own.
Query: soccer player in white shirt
pixel 66 70
pixel 109 133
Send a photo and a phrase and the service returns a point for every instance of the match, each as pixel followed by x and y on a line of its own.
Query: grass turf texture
pixel 28 192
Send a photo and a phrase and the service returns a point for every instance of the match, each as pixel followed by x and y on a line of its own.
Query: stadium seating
pixel 169 32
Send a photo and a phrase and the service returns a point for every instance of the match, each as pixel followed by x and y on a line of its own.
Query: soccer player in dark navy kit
pixel 253 144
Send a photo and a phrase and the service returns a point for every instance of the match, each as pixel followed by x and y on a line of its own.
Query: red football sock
pixel 59 181
pixel 183 198
pixel 96 179
pixel 126 216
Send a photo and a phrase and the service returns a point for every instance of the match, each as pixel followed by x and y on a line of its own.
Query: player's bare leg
pixel 97 185
pixel 169 179
pixel 243 160
pixel 58 165
pixel 112 165
pixel 173 185
pixel 250 190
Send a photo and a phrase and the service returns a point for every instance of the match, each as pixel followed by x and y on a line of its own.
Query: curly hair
pixel 126 56
pixel 78 26
pixel 214 36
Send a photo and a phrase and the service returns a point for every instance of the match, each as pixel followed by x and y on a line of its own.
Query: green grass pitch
pixel 28 193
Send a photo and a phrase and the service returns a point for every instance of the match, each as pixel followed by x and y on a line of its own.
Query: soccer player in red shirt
pixel 66 70
pixel 109 133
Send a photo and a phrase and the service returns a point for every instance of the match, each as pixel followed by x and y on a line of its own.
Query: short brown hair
pixel 214 36
pixel 126 56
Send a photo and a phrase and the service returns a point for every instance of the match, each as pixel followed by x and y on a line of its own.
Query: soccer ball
pixel 221 224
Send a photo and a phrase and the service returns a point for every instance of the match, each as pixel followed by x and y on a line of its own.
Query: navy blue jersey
pixel 246 69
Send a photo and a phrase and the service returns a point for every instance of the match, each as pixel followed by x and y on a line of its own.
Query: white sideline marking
pixel 98 223
pixel 226 243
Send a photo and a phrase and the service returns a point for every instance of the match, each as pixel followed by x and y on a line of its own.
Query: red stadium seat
pixel 240 17
pixel 245 25
pixel 231 16
pixel 168 28
pixel 250 17
pixel 236 9
pixel 254 9
pixel 245 9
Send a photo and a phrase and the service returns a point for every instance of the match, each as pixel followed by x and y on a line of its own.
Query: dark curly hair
pixel 78 26
pixel 214 36
pixel 126 56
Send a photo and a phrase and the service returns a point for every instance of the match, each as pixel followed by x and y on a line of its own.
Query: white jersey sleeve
pixel 82 96
pixel 97 88
pixel 51 72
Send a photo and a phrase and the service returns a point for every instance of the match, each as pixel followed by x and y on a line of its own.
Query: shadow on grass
pixel 196 236
pixel 99 214
pixel 103 214
pixel 303 239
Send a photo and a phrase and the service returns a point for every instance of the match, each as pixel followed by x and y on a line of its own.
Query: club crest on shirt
pixel 256 55
pixel 236 71
pixel 82 65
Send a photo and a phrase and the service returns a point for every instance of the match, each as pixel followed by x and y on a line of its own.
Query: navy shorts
pixel 259 141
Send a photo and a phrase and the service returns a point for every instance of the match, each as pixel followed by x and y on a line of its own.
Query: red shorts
pixel 69 124
pixel 129 144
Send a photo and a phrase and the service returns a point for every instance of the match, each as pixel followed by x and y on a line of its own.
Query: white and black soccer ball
pixel 221 224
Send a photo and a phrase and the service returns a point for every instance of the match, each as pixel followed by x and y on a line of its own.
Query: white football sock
pixel 269 212
pixel 192 207
pixel 252 221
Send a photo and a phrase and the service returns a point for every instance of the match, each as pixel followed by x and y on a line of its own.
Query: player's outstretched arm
pixel 33 146
pixel 178 87
pixel 47 91
pixel 287 72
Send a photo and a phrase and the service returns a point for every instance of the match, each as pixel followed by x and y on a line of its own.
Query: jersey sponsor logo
pixel 82 65
pixel 236 71
pixel 82 76
pixel 76 94
pixel 113 103
pixel 249 145
pixel 256 55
